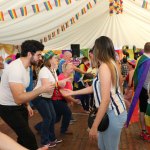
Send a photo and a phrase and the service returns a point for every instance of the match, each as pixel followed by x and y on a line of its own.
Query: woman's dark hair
pixel 17 55
pixel 104 52
pixel 31 46
pixel 84 59
pixel 147 47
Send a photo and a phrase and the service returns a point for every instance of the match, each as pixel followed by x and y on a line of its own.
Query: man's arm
pixel 20 96
pixel 78 69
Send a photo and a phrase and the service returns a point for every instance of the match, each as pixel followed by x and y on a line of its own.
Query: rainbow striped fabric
pixel 57 3
pixel 139 77
pixel 48 5
pixel 23 11
pixel 12 13
pixel 36 8
pixel 1 16
pixel 68 2
pixel 144 5
pixel 89 6
pixel 83 11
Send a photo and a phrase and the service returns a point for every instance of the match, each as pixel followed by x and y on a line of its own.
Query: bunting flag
pixel 58 31
pixel 53 34
pixel 23 11
pixel 68 2
pixel 57 3
pixel 41 40
pixel 83 11
pixel 48 5
pixel 72 20
pixel 67 24
pixel 12 13
pixel 49 36
pixel 45 39
pixel 36 8
pixel 89 6
pixel 63 27
pixel 1 16
pixel 77 16
pixel 144 5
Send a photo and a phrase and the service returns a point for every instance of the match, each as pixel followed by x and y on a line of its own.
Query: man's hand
pixel 30 110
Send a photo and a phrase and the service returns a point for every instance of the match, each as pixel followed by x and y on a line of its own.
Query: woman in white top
pixel 107 95
pixel 43 103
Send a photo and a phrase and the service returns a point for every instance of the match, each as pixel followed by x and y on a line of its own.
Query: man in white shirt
pixel 13 95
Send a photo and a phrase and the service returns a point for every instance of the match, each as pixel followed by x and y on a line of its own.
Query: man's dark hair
pixel 17 55
pixel 124 60
pixel 31 46
pixel 147 47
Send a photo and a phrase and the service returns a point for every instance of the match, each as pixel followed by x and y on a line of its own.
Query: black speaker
pixel 75 50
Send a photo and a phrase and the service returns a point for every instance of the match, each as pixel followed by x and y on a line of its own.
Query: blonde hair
pixel 64 66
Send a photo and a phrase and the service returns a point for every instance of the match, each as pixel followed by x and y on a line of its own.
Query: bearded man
pixel 13 96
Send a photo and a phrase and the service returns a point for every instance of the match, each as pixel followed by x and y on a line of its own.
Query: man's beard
pixel 33 62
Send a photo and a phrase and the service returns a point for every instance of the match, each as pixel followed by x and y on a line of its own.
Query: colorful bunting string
pixel 48 5
pixel 1 16
pixel 77 16
pixel 67 24
pixel 12 13
pixel 36 8
pixel 57 3
pixel 23 11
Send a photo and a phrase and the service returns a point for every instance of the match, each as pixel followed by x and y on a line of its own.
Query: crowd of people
pixel 50 85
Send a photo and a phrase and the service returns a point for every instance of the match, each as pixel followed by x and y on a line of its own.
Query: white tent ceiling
pixel 130 28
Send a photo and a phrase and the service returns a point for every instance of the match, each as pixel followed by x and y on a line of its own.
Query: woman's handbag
pixel 104 122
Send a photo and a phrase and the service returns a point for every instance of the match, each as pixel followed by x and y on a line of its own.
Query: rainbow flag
pixel 89 6
pixel 68 2
pixel 36 8
pixel 139 77
pixel 10 58
pixel 57 3
pixel 48 5
pixel 83 11
pixel 1 16
pixel 144 5
pixel 12 13
pixel 23 11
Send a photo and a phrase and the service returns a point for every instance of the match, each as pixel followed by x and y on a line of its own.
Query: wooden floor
pixel 130 139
